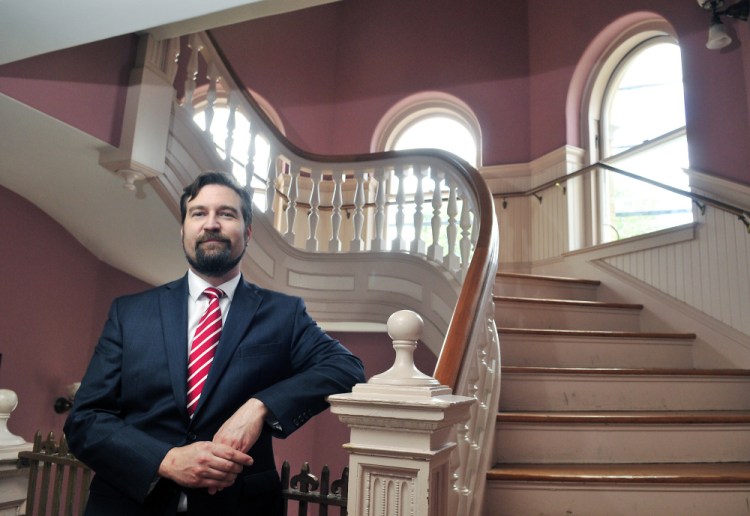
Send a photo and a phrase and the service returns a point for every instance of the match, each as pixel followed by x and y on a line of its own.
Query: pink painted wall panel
pixel 84 86
pixel 50 323
pixel 367 55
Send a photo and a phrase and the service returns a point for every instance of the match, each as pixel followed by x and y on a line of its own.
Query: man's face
pixel 213 233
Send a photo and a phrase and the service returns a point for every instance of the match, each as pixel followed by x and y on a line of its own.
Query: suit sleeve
pixel 320 366
pixel 98 434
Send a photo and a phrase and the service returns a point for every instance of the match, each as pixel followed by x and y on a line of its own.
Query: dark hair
pixel 217 178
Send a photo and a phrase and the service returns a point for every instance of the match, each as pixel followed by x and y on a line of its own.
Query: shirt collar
pixel 196 286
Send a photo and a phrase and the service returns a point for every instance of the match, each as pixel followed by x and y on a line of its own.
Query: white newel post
pixel 13 481
pixel 402 435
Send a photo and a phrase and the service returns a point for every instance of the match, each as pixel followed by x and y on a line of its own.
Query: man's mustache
pixel 215 237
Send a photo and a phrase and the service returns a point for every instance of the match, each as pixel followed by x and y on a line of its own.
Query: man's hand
pixel 242 429
pixel 204 464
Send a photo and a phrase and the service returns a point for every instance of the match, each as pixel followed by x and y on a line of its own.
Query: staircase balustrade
pixel 417 202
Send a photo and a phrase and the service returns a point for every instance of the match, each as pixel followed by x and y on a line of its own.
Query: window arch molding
pixel 419 106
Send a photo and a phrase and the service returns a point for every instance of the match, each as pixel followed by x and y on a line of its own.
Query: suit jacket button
pixel 192 437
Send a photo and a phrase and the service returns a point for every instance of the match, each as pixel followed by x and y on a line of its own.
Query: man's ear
pixel 248 235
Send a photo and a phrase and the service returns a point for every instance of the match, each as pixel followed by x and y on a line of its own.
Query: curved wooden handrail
pixel 481 271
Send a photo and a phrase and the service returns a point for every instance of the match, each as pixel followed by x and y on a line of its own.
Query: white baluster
pixel 474 229
pixel 358 243
pixel 313 216
pixel 418 245
pixel 195 46
pixel 213 78
pixel 231 124
pixel 275 170
pixel 465 237
pixel 291 209
pixel 435 251
pixel 378 241
pixel 334 244
pixel 399 244
pixel 250 163
pixel 451 260
pixel 172 58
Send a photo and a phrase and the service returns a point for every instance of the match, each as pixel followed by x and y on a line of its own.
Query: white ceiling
pixel 33 27
pixel 56 167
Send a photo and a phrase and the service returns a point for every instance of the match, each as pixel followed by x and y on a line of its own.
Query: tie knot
pixel 213 293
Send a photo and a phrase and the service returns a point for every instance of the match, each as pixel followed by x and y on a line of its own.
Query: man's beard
pixel 214 263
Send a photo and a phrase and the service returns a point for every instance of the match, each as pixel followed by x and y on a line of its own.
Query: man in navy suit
pixel 272 370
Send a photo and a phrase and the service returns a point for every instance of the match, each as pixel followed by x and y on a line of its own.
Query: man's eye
pixel 228 214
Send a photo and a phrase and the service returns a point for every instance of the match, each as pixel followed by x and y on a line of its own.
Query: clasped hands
pixel 215 464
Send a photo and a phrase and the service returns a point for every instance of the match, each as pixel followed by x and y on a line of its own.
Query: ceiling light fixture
pixel 717 32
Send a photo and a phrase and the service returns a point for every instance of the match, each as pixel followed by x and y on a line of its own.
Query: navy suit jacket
pixel 131 407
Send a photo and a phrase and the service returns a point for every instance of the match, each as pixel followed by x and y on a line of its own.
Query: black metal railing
pixel 306 489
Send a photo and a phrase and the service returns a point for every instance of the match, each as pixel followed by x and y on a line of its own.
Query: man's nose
pixel 212 221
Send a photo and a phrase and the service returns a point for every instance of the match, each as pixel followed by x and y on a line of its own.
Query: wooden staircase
pixel 599 418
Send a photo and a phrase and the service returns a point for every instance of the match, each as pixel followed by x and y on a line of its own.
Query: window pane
pixel 636 207
pixel 439 132
pixel 645 102
pixel 647 99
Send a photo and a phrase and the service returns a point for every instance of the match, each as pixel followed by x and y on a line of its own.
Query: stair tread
pixel 567 302
pixel 626 371
pixel 541 277
pixel 596 333
pixel 729 472
pixel 683 417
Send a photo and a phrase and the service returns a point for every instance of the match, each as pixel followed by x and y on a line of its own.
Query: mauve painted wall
pixel 512 62
pixel 362 57
pixel 50 323
pixel 84 86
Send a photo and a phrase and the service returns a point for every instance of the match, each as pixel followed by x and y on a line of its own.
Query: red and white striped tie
pixel 204 347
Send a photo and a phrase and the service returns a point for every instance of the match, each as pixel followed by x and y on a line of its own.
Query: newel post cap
pixel 403 379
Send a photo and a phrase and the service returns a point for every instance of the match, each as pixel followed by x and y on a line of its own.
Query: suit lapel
pixel 173 304
pixel 241 312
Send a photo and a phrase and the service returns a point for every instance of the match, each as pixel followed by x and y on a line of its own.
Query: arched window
pixel 639 123
pixel 429 120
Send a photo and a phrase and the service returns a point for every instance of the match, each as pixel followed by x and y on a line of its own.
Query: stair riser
pixel 541 289
pixel 541 392
pixel 617 443
pixel 557 351
pixel 539 316
pixel 559 499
